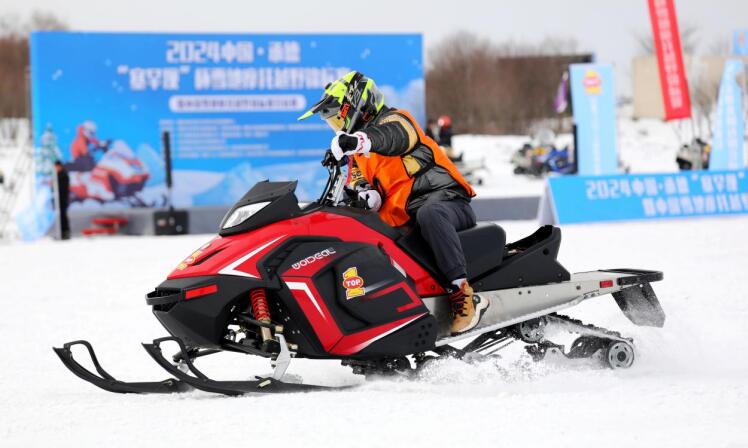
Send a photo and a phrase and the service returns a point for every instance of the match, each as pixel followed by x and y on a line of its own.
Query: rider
pixel 83 146
pixel 404 176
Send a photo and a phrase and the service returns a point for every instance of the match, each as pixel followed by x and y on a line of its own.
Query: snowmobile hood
pixel 256 230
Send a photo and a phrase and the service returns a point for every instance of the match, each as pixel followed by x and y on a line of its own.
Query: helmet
pixel 349 103
pixel 88 128
pixel 445 122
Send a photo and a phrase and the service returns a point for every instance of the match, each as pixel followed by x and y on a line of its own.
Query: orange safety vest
pixel 388 175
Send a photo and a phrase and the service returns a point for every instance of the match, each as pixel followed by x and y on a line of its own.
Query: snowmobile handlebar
pixel 333 193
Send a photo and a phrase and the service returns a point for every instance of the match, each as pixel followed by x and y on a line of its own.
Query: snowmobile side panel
pixel 639 303
pixel 107 382
pixel 353 296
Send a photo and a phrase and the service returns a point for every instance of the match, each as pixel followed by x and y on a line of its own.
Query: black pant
pixel 439 222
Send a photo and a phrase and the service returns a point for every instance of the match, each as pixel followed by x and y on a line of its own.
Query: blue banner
pixel 729 126
pixel 740 43
pixel 578 199
pixel 593 103
pixel 229 103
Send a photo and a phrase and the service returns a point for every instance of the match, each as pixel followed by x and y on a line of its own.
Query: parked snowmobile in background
pixel 541 160
pixel 119 175
pixel 542 156
pixel 331 281
pixel 694 156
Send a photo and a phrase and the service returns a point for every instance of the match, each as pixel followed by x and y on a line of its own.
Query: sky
pixel 607 28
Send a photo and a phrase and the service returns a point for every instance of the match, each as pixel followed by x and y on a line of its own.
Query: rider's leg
pixel 439 222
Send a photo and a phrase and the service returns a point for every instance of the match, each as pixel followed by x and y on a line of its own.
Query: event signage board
pixel 729 125
pixel 594 107
pixel 581 199
pixel 667 44
pixel 228 102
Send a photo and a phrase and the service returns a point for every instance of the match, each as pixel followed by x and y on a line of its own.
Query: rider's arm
pixel 394 135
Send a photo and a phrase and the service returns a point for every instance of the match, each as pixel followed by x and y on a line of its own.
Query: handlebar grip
pixel 329 161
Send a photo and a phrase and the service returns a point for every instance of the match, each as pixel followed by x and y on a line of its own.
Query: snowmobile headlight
pixel 242 214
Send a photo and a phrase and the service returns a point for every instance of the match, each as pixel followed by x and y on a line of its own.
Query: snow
pixel 688 386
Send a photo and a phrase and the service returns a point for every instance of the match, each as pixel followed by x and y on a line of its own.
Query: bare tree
pixel 45 21
pixel 14 54
pixel 689 40
pixel 492 88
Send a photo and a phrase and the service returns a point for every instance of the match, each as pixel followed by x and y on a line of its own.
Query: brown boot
pixel 467 309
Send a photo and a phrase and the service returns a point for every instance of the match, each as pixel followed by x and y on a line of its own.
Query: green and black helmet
pixel 349 103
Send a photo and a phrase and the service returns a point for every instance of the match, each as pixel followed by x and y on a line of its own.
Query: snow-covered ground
pixel 688 387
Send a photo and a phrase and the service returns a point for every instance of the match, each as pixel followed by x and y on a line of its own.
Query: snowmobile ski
pixel 107 382
pixel 201 381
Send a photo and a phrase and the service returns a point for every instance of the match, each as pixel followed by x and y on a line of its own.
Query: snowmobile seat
pixel 483 246
pixel 529 261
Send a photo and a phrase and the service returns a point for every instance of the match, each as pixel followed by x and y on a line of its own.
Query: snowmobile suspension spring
pixel 259 301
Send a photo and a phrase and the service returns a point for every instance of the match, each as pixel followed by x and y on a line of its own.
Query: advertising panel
pixel 579 199
pixel 593 101
pixel 228 103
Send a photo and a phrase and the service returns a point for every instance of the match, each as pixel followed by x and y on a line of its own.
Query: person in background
pixel 432 130
pixel 63 199
pixel 403 175
pixel 444 125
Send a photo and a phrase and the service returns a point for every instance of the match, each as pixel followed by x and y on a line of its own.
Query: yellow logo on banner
pixel 592 82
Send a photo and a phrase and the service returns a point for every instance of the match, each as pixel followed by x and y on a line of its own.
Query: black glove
pixel 347 142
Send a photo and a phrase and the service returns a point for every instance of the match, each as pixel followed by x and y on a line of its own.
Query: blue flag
pixel 729 127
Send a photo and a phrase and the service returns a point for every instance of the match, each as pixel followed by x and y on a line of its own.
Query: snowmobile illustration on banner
pixel 332 281
pixel 118 176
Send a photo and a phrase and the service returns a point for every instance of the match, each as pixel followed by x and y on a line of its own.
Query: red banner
pixel 670 59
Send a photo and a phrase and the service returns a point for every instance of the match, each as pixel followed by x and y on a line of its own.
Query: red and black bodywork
pixel 341 282
pixel 334 278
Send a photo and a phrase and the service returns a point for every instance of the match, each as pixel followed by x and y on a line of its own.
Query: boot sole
pixel 480 310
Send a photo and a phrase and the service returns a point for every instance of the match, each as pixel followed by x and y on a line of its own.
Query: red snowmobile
pixel 332 281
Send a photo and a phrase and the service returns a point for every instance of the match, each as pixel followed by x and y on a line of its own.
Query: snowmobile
pixel 694 156
pixel 541 160
pixel 333 281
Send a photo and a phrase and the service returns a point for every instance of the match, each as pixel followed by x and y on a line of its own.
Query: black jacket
pixel 393 134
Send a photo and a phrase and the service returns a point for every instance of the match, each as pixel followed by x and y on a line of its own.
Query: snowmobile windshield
pixel 266 203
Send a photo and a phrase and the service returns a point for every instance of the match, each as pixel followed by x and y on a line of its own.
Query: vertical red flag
pixel 670 59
